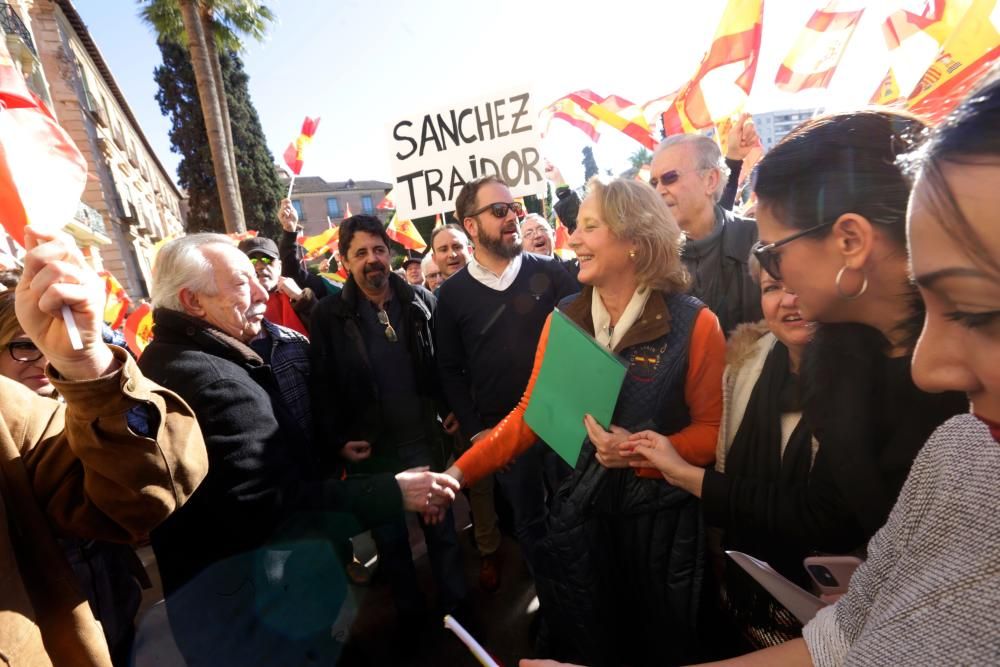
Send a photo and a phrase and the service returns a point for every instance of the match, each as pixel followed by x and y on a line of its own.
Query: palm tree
pixel 640 159
pixel 205 27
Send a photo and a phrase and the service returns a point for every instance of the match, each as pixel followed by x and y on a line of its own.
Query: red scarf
pixel 280 311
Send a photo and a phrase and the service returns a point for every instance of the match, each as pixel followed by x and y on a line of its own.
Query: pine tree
pixel 589 164
pixel 260 188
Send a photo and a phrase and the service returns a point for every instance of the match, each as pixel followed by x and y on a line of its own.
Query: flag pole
pixel 291 184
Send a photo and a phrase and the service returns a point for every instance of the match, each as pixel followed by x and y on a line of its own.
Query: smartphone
pixel 832 574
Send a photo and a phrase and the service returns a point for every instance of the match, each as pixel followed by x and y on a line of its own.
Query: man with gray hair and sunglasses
pixel 689 173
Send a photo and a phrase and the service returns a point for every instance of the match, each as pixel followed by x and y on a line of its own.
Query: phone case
pixel 832 574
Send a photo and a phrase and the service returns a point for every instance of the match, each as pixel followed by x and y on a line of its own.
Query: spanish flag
pixel 321 243
pixel 966 55
pixel 405 234
pixel 295 151
pixel 42 172
pixel 567 110
pixel 139 329
pixel 720 87
pixel 116 300
pixel 617 112
pixel 913 40
pixel 388 203
pixel 819 48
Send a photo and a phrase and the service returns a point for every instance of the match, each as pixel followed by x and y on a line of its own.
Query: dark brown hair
pixel 842 163
pixel 466 201
pixel 359 223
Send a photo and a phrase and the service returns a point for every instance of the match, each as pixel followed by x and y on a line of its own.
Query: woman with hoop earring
pixel 831 216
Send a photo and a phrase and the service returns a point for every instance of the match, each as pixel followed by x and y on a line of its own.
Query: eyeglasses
pixel 390 333
pixel 532 233
pixel 24 351
pixel 261 260
pixel 499 209
pixel 770 260
pixel 666 178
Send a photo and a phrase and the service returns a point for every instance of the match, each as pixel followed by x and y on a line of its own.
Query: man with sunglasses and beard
pixel 689 173
pixel 376 402
pixel 489 319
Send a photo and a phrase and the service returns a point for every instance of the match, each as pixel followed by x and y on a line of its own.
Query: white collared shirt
pixel 492 280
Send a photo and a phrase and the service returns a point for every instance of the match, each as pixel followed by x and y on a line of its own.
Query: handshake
pixel 429 493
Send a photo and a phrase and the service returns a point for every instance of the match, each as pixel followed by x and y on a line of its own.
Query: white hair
pixel 707 153
pixel 181 264
pixel 540 220
pixel 427 262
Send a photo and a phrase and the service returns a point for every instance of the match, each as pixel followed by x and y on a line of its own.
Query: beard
pixel 496 245
pixel 375 275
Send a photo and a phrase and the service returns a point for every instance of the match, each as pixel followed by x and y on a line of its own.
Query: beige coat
pixel 78 470
pixel 746 353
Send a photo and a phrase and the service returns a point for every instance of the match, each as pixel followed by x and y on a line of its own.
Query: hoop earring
pixel 840 291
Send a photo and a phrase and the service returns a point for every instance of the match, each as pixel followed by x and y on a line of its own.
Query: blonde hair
pixel 633 211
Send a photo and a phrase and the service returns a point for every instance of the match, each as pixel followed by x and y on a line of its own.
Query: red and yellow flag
pixel 814 58
pixel 243 236
pixel 405 234
pixel 42 172
pixel 139 329
pixel 966 55
pixel 388 203
pixel 561 244
pixel 720 87
pixel 567 110
pixel 116 300
pixel 321 243
pixel 295 151
pixel 913 40
pixel 617 112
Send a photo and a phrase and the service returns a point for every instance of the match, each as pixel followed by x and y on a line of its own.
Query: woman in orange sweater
pixel 622 552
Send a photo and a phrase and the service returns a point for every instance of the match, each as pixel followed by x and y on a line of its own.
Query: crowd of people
pixel 798 386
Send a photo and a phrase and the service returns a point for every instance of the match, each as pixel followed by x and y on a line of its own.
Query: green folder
pixel 579 376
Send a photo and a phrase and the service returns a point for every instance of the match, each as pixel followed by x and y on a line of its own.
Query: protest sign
pixel 435 153
pixel 578 377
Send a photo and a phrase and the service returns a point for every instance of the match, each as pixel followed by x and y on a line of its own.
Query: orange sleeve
pixel 702 393
pixel 511 436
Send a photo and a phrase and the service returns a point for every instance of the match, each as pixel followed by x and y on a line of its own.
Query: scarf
pixel 756 454
pixel 607 335
pixel 280 311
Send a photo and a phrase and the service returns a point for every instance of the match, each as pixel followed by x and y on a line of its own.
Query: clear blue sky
pixel 359 65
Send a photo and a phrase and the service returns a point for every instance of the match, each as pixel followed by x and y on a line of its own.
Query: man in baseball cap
pixel 414 270
pixel 288 304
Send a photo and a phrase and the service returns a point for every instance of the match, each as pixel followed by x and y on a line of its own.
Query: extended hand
pixel 742 138
pixel 607 443
pixel 290 288
pixel 55 274
pixel 424 490
pixel 656 451
pixel 287 216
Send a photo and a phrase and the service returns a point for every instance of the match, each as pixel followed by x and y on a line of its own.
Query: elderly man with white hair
pixel 253 550
pixel 690 174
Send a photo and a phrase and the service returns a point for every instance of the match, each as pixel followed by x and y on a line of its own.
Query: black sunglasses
pixel 499 209
pixel 24 351
pixel 261 260
pixel 770 260
pixel 666 178
pixel 390 333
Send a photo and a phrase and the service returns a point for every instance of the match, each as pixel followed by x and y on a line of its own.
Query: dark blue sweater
pixel 486 339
